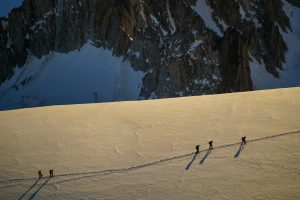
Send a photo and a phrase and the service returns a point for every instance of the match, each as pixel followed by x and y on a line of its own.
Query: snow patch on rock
pixel 205 12
pixel 171 20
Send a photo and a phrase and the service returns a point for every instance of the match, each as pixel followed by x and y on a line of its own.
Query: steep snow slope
pixel 290 74
pixel 7 6
pixel 144 150
pixel 88 75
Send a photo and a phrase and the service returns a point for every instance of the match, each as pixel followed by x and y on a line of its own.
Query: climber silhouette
pixel 51 173
pixel 40 174
pixel 243 141
pixel 197 149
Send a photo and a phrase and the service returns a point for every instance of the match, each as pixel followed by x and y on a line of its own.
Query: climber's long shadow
pixel 204 158
pixel 190 163
pixel 34 184
pixel 237 154
pixel 37 191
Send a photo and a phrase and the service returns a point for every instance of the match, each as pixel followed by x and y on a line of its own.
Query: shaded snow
pixel 4 24
pixel 195 45
pixel 201 82
pixel 88 75
pixel 154 20
pixel 290 75
pixel 42 20
pixel 292 38
pixel 262 79
pixel 142 13
pixel 242 12
pixel 171 20
pixel 205 12
pixel 223 24
pixel 7 5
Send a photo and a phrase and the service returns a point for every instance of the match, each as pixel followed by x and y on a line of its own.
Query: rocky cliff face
pixel 185 47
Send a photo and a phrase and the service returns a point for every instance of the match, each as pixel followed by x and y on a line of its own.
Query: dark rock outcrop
pixel 234 61
pixel 167 40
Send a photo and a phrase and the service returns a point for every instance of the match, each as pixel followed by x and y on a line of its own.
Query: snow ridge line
pixel 124 170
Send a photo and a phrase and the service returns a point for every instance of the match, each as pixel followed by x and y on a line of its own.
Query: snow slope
pixel 144 150
pixel 289 76
pixel 8 5
pixel 86 75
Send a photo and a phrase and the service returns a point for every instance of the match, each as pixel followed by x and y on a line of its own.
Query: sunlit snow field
pixel 145 150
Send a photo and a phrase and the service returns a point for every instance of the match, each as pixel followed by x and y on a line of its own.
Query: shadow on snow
pixel 191 162
pixel 237 154
pixel 34 184
pixel 204 158
pixel 15 182
pixel 37 191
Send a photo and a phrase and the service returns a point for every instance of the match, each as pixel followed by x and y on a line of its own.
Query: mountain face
pixel 158 49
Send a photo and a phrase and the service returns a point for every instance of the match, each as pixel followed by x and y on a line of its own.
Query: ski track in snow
pixel 83 175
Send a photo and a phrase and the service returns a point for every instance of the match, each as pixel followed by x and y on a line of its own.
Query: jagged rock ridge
pixel 187 47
